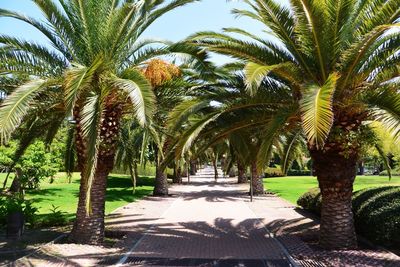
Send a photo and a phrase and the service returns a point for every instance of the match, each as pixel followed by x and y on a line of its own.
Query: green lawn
pixel 65 196
pixel 291 188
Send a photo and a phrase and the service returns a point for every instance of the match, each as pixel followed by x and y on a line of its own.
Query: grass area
pixel 64 195
pixel 291 188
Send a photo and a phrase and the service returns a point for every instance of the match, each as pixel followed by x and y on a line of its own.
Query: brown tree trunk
pixel 336 174
pixel 161 183
pixel 185 171
pixel 134 175
pixel 257 180
pixel 193 167
pixel 177 179
pixel 215 165
pixel 242 179
pixel 16 185
pixel 89 227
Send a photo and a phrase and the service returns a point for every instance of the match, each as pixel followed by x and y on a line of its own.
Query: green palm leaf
pixel 140 93
pixel 78 80
pixel 317 111
pixel 91 116
pixel 17 105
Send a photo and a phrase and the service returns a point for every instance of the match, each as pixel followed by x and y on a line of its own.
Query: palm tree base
pixel 161 183
pixel 336 174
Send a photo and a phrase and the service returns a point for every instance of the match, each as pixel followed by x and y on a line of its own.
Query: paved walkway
pixel 210 224
pixel 207 224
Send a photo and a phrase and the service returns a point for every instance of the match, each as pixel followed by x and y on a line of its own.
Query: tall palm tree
pixel 93 73
pixel 170 88
pixel 226 112
pixel 340 59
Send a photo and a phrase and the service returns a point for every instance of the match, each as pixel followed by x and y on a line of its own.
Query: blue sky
pixel 174 26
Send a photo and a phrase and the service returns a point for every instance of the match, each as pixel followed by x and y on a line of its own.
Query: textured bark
pixel 185 171
pixel 257 181
pixel 336 174
pixel 89 228
pixel 161 183
pixel 193 167
pixel 16 186
pixel 215 165
pixel 177 176
pixel 134 175
pixel 242 179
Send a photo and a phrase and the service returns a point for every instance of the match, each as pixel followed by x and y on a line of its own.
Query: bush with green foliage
pixel 395 172
pixel 37 164
pixel 10 204
pixel 55 218
pixel 299 173
pixel 6 155
pixel 273 172
pixel 376 212
pixel 311 200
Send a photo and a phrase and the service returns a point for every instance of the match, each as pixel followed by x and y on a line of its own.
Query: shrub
pixel 376 212
pixel 299 173
pixel 311 200
pixel 395 172
pixel 11 204
pixel 36 165
pixel 273 172
pixel 55 218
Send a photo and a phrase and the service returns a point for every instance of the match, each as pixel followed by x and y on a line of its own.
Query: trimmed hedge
pixel 393 172
pixel 376 212
pixel 273 172
pixel 276 172
pixel 299 173
pixel 311 200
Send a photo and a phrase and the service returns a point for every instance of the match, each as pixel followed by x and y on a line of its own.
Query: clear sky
pixel 176 25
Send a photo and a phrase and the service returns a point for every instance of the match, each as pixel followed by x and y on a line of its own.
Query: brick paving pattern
pixel 209 224
pixel 209 221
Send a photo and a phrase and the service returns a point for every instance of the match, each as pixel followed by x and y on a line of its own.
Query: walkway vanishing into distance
pixel 209 224
pixel 205 224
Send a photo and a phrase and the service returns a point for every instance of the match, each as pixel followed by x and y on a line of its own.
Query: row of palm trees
pixel 324 70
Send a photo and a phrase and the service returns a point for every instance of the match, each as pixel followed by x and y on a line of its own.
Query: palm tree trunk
pixel 177 175
pixel 242 179
pixel 193 169
pixel 188 172
pixel 6 179
pixel 257 181
pixel 336 174
pixel 215 169
pixel 89 228
pixel 133 173
pixel 161 183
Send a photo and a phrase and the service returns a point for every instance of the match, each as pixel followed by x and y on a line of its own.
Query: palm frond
pixel 317 111
pixel 17 105
pixel 140 93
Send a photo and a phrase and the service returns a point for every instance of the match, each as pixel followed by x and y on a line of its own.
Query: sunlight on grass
pixel 291 188
pixel 64 195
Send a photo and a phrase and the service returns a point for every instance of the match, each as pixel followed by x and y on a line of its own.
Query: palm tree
pixel 92 77
pixel 225 112
pixel 170 88
pixel 340 60
pixel 130 149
